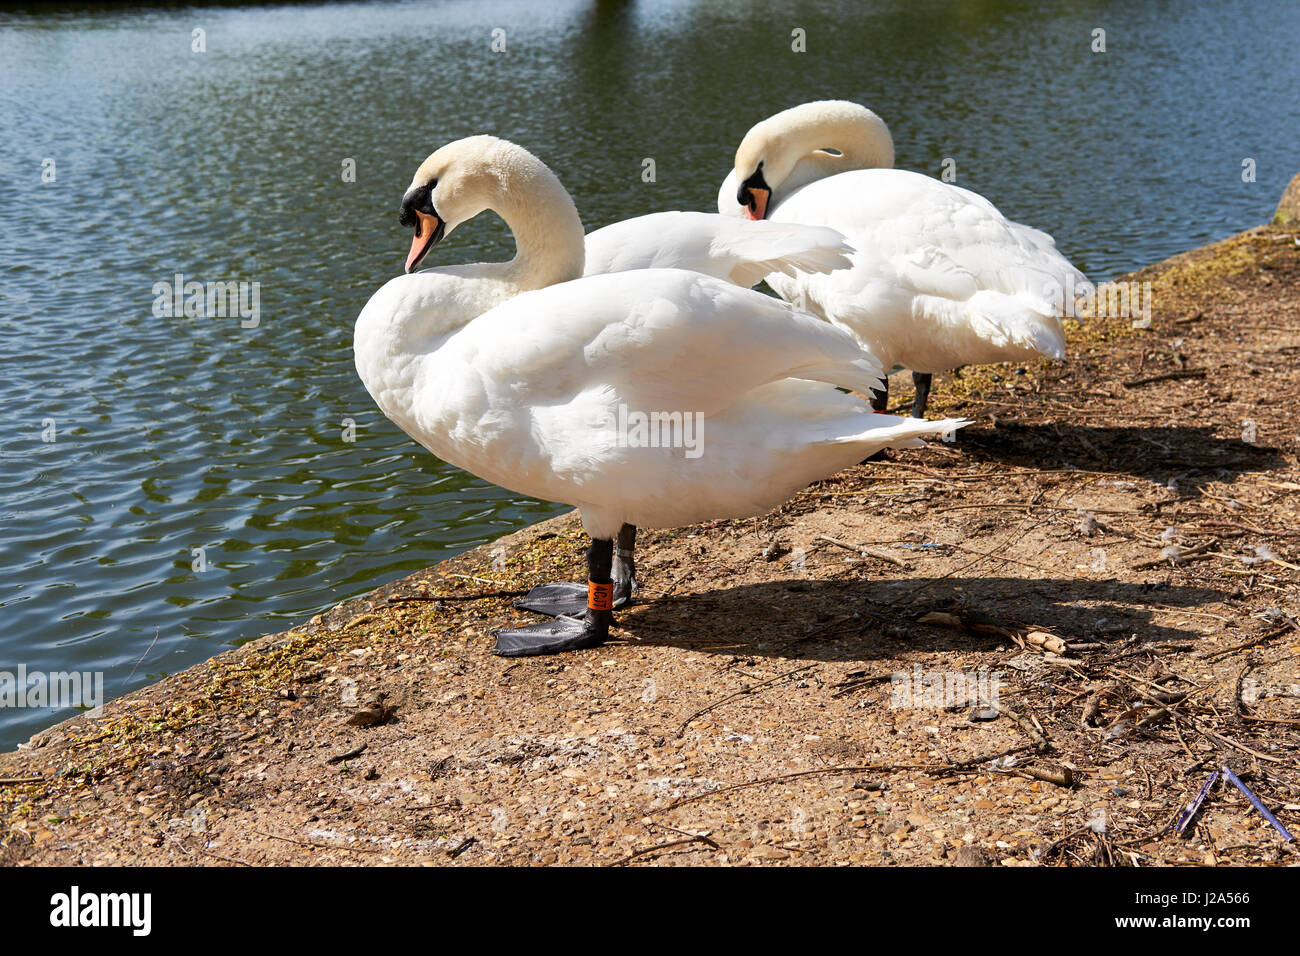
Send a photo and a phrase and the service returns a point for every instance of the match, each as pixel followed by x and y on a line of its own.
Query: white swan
pixel 532 378
pixel 720 246
pixel 939 279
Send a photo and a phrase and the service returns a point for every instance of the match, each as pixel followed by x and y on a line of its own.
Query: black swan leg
pixel 570 633
pixel 625 566
pixel 879 403
pixel 880 397
pixel 922 382
pixel 569 598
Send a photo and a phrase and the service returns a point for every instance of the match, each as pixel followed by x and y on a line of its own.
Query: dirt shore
pixel 1115 541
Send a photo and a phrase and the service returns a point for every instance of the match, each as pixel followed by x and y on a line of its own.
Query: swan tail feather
pixel 890 431
pixel 761 248
pixel 862 375
pixel 1024 323
pixel 1019 321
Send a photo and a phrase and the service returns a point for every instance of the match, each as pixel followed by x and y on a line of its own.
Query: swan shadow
pixel 1157 452
pixel 812 620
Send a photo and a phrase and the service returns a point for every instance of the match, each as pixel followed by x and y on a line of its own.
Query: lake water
pixel 173 434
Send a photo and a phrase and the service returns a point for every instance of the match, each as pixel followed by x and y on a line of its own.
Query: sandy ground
pixel 1115 543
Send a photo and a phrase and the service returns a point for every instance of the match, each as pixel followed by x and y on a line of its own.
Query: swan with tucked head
pixel 939 278
pixel 529 376
pixel 800 145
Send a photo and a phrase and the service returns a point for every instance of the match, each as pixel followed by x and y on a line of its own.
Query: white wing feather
pixel 719 246
pixel 667 338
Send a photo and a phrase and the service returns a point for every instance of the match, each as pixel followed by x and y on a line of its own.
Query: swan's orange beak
pixel 428 230
pixel 756 206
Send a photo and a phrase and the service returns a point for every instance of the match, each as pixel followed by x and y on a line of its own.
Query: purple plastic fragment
pixel 1185 817
pixel 1286 835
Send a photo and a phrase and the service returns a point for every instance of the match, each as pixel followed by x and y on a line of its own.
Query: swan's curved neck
pixel 858 135
pixel 414 315
pixel 548 233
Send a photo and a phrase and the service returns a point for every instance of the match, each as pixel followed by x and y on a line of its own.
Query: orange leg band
pixel 600 597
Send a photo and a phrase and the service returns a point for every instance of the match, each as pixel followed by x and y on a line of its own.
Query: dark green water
pixel 179 433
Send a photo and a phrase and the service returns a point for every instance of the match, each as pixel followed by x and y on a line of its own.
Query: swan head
pixel 455 184
pixel 478 173
pixel 761 162
pixel 837 131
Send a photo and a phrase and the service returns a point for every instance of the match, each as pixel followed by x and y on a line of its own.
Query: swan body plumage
pixel 528 394
pixel 940 278
pixel 515 371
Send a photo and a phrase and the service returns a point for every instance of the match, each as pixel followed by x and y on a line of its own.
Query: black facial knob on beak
pixel 417 200
pixel 745 195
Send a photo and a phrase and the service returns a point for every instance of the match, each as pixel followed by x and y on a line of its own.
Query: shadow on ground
pixel 1143 451
pixel 813 620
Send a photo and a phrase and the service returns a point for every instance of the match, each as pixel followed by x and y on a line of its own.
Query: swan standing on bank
pixel 521 372
pixel 939 279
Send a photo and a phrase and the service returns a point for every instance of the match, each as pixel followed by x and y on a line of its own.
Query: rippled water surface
pixel 175 433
